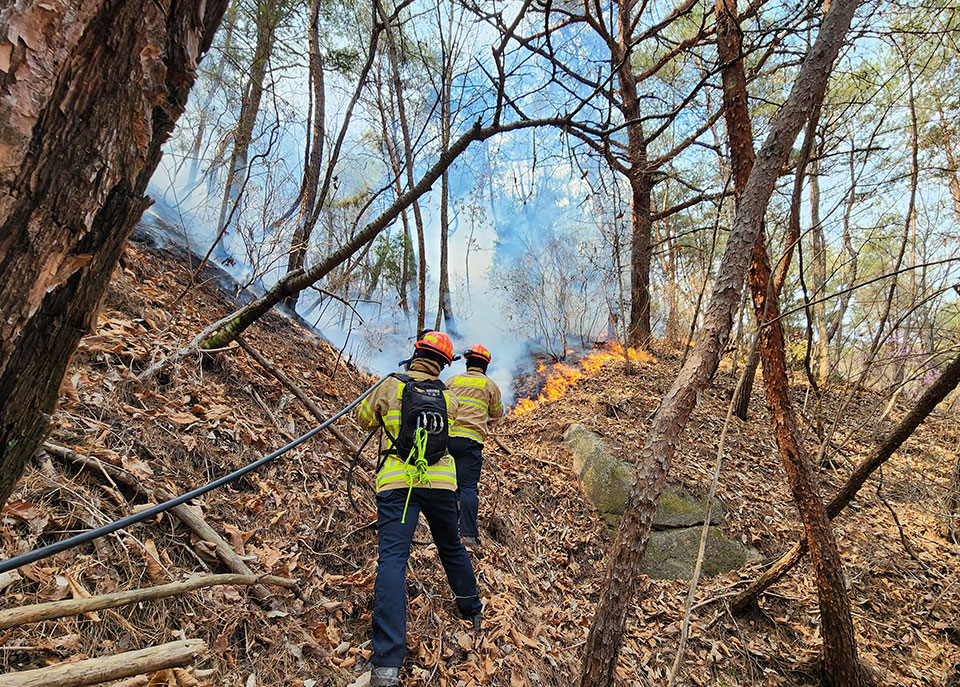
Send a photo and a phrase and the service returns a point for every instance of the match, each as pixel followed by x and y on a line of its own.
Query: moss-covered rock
pixel 672 554
pixel 605 480
pixel 676 508
pixel 675 541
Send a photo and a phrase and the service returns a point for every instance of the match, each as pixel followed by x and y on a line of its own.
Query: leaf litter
pixel 540 565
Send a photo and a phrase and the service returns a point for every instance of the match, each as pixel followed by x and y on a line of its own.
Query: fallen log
pixel 13 617
pixel 103 668
pixel 183 512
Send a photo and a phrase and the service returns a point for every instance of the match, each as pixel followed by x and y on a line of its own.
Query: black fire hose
pixel 84 537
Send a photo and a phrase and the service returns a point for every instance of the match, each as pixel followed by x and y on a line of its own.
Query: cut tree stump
pixel 103 668
pixel 13 617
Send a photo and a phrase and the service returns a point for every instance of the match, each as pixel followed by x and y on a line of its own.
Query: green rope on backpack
pixel 415 473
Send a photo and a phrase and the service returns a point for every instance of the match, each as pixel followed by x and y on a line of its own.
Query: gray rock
pixel 676 508
pixel 605 480
pixel 672 554
pixel 674 543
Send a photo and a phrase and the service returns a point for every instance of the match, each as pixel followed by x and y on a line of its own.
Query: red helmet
pixel 438 342
pixel 478 351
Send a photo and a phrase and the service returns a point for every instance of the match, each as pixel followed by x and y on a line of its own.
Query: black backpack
pixel 422 404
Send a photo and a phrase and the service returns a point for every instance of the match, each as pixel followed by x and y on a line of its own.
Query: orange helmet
pixel 478 351
pixel 438 342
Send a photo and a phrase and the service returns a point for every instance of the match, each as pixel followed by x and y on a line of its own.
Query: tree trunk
pixel 740 140
pixel 311 170
pixel 266 18
pixel 742 396
pixel 408 164
pixel 849 268
pixel 616 602
pixel 83 122
pixel 839 644
pixel 818 272
pixel 445 304
pixel 641 186
pixel 953 181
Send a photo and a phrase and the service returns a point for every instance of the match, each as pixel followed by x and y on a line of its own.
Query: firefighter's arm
pixel 453 407
pixel 496 403
pixel 366 413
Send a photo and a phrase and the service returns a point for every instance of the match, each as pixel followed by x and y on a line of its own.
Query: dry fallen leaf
pixel 152 559
pixel 56 589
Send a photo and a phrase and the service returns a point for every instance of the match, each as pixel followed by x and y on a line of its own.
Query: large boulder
pixel 605 480
pixel 674 543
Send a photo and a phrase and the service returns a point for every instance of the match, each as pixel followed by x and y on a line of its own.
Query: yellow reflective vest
pixel 385 403
pixel 480 404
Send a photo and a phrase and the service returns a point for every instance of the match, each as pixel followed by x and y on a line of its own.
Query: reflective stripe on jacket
pixel 385 400
pixel 479 399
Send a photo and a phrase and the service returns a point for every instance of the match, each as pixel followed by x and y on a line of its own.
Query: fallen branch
pixel 12 617
pixel 187 515
pixel 288 384
pixel 101 669
pixel 502 447
pixel 946 383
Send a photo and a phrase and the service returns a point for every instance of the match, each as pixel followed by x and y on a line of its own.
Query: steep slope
pixel 541 562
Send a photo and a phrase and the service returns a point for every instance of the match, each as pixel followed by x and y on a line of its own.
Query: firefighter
pixel 480 404
pixel 402 494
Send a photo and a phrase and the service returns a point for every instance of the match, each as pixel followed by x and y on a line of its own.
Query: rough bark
pixel 839 648
pixel 841 667
pixel 740 140
pixel 607 630
pixel 83 118
pixel 938 391
pixel 638 175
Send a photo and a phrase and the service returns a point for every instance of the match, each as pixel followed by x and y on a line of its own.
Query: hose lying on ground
pixel 109 528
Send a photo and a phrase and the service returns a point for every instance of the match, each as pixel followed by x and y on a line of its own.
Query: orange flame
pixel 561 377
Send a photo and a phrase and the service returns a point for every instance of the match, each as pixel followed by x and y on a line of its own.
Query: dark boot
pixel 385 677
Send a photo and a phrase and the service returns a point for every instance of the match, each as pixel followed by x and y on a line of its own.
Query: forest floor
pixel 541 561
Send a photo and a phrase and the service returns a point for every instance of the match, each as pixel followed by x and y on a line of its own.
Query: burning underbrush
pixel 556 379
pixel 540 565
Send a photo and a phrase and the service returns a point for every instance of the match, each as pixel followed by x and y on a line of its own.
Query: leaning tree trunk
pixel 616 602
pixel 89 95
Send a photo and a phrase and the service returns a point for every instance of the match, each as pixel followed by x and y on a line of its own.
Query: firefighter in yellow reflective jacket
pixel 407 486
pixel 480 404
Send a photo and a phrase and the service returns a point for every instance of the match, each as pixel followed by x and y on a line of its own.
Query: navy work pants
pixel 439 506
pixel 468 455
